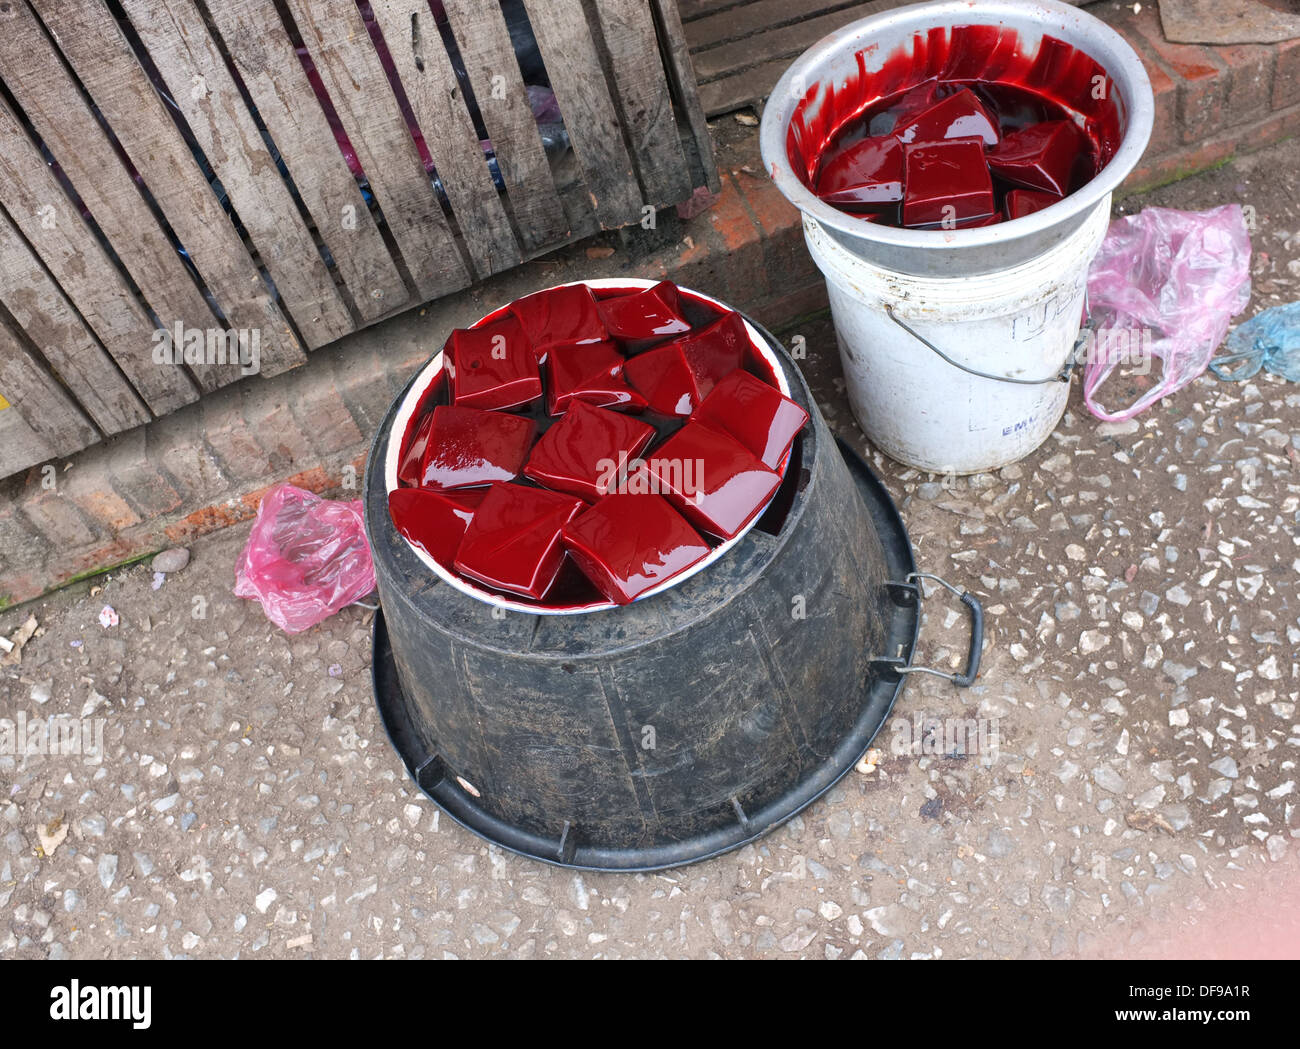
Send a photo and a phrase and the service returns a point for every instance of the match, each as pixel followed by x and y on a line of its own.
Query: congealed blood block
pixel 757 415
pixel 493 366
pixel 628 544
pixel 865 173
pixel 591 372
pixel 961 115
pixel 653 314
pixel 434 521
pixel 676 377
pixel 409 470
pixel 1042 156
pixel 584 453
pixel 1022 202
pixel 716 483
pixel 557 316
pixel 946 175
pixel 468 447
pixel 894 117
pixel 514 543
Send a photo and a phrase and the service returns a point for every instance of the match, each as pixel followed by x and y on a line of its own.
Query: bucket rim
pixel 1071 24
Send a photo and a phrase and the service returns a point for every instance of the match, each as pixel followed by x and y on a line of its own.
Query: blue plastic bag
pixel 1269 340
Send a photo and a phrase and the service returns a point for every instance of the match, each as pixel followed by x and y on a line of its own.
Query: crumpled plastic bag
pixel 1169 282
pixel 306 558
pixel 1269 340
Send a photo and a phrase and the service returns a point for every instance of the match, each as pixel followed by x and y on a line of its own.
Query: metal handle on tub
pixel 1061 376
pixel 909 592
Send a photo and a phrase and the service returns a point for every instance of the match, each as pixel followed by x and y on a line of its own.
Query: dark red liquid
pixel 911 98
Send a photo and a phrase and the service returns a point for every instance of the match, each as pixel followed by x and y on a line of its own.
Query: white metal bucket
pixel 910 345
pixel 954 341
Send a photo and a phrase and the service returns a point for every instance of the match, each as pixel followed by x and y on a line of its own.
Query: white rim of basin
pixel 430 374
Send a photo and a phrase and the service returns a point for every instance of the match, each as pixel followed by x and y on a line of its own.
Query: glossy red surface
pixel 513 542
pixel 1017 84
pixel 946 181
pixel 592 373
pixel 867 172
pixel 755 414
pixel 469 447
pixel 652 314
pixel 492 367
pixel 434 521
pixel 567 314
pixel 410 471
pixel 960 115
pixel 582 453
pixel 676 377
pixel 711 478
pixel 1041 157
pixel 628 544
pixel 1021 202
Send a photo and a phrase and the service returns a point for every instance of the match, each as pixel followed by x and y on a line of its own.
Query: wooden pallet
pixel 298 169
pixel 740 48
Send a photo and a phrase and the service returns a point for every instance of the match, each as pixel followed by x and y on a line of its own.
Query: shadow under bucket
pixel 957 344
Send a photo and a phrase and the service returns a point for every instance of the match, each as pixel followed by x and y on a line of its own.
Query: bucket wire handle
pixel 1061 376
pixel 976 650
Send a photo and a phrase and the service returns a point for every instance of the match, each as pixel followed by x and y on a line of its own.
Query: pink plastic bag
pixel 306 558
pixel 1165 283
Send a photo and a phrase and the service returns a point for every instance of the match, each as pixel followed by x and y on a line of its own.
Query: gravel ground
pixel 1138 687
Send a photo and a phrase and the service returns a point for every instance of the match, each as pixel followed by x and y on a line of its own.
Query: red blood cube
pixel 946 182
pixel 915 101
pixel 591 372
pixel 1022 202
pixel 866 173
pixel 568 314
pixel 468 447
pixel 409 469
pixel 713 479
pixel 961 115
pixel 584 452
pixel 492 367
pixel 676 377
pixel 653 314
pixel 513 543
pixel 1041 156
pixel 434 521
pixel 757 415
pixel 628 544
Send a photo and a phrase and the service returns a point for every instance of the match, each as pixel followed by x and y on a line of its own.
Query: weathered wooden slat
pixel 483 40
pixel 100 55
pixel 44 406
pixel 752 61
pixel 426 73
pixel 628 29
pixel 692 9
pixel 742 89
pixel 72 253
pixel 677 56
pixel 41 309
pixel 34 73
pixel 339 43
pixel 758 16
pixel 260 47
pixel 20 445
pixel 574 68
pixel 191 65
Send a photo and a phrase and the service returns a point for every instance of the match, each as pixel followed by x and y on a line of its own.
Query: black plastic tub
pixel 674 728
